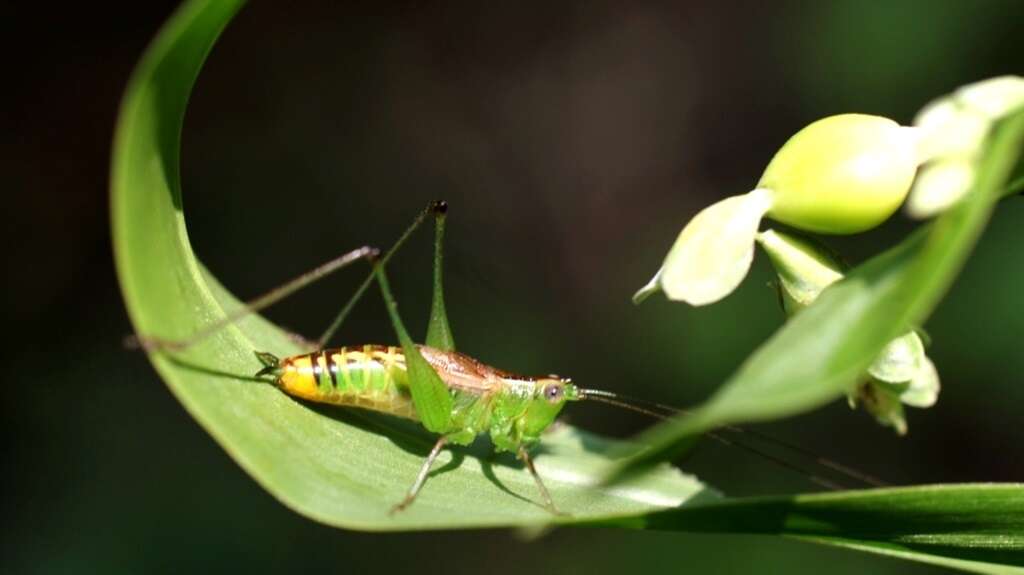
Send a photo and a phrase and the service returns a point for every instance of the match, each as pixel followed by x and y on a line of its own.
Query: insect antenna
pixel 625 403
pixel 662 411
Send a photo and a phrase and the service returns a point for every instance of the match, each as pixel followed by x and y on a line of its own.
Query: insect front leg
pixel 524 455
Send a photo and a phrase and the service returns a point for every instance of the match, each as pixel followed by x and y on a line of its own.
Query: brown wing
pixel 463 372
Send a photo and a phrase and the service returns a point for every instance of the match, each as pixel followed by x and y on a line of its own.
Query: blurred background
pixel 572 141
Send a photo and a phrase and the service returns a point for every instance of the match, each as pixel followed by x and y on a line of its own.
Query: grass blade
pixel 974 527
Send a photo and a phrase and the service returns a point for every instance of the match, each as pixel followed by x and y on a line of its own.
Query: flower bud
pixel 953 130
pixel 901 374
pixel 883 402
pixel 712 254
pixel 804 267
pixel 842 174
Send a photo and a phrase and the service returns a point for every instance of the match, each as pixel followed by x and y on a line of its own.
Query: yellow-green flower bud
pixel 901 374
pixel 953 130
pixel 712 254
pixel 804 267
pixel 842 174
pixel 923 390
pixel 883 402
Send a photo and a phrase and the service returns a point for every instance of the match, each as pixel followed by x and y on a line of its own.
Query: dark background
pixel 572 142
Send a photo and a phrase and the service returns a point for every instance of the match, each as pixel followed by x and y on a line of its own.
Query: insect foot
pixel 136 342
pixel 372 255
pixel 557 512
pixel 401 505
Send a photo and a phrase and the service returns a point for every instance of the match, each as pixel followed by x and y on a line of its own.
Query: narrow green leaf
pixel 821 353
pixel 974 527
pixel 341 467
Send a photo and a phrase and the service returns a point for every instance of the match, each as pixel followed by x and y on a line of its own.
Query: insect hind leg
pixel 264 301
pixel 436 208
pixel 153 343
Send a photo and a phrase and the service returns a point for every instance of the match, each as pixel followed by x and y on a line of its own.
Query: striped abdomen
pixel 371 377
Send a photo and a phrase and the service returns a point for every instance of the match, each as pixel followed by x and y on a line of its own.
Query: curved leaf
pixel 342 467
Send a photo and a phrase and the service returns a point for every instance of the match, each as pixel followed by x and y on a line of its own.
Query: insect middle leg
pixel 431 396
pixel 421 478
pixel 524 455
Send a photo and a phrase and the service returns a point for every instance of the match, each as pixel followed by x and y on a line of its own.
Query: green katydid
pixel 449 393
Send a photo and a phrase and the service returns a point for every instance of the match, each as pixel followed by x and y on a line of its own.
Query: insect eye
pixel 553 393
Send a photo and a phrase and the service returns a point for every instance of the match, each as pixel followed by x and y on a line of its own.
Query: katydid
pixel 449 393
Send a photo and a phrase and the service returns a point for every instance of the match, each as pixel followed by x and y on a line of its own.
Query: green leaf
pixel 341 467
pixel 820 354
pixel 974 527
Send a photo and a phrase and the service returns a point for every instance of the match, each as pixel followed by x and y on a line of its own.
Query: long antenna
pixel 612 399
pixel 650 408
